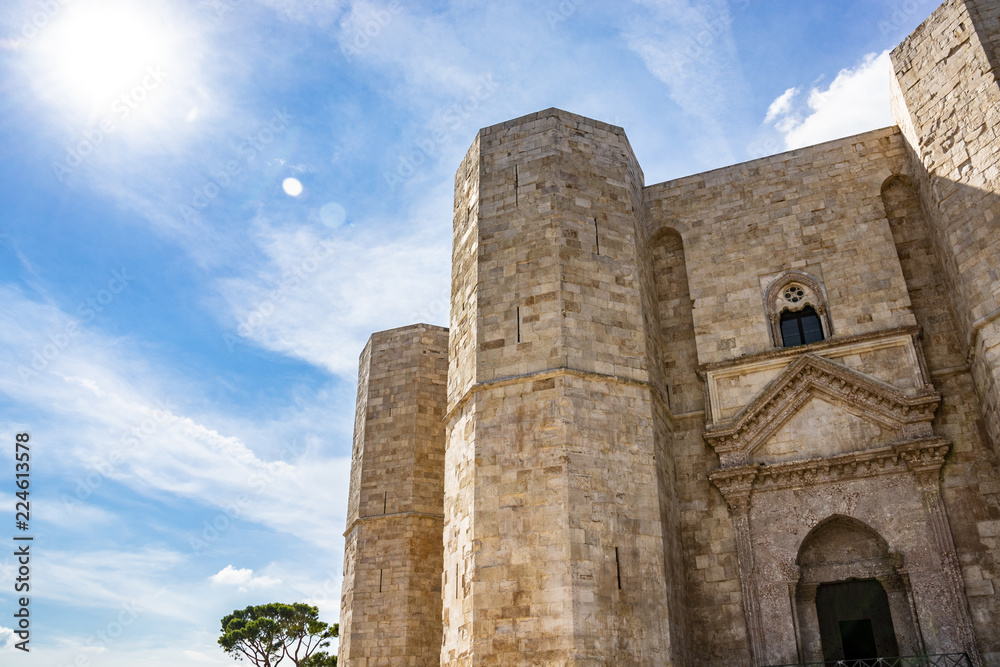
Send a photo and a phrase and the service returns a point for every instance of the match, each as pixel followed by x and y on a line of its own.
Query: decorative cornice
pixel 819 347
pixel 736 439
pixel 921 457
pixel 736 485
pixel 536 376
pixel 394 515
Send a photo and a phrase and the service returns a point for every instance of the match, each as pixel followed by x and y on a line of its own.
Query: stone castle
pixel 746 417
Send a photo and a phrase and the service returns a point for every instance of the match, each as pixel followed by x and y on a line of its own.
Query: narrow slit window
pixel 801 327
pixel 518 317
pixel 597 237
pixel 380 581
pixel 618 569
pixel 516 185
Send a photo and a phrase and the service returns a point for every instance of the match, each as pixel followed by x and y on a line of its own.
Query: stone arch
pixel 897 180
pixel 667 224
pixel 842 549
pixel 920 263
pixel 840 540
pixel 812 294
pixel 673 296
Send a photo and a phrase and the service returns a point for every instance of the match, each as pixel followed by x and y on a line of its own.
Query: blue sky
pixel 180 334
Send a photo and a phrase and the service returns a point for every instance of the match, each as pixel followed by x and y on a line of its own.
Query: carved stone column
pixel 905 626
pixel 736 485
pixel 810 643
pixel 925 464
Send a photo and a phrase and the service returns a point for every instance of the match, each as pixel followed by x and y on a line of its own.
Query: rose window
pixel 794 293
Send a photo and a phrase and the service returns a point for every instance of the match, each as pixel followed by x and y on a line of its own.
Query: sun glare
pixel 96 52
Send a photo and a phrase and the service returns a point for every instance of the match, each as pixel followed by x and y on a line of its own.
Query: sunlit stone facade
pixel 613 456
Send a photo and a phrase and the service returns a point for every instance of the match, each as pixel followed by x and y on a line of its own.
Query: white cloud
pixel 81 517
pixel 242 578
pixel 315 12
pixel 130 652
pixel 319 299
pixel 689 46
pixel 782 105
pixel 423 46
pixel 103 399
pixel 230 576
pixel 856 101
pixel 131 588
pixel 103 580
pixel 7 639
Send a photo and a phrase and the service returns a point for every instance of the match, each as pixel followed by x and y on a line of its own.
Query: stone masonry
pixel 614 456
pixel 392 565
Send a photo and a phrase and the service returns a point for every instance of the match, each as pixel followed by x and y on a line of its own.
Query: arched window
pixel 800 328
pixel 796 308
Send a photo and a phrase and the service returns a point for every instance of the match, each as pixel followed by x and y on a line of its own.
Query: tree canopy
pixel 320 660
pixel 268 634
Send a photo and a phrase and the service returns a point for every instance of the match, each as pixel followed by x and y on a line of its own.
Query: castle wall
pixel 391 600
pixel 816 209
pixel 821 210
pixel 742 226
pixel 553 528
pixel 674 313
pixel 948 100
pixel 627 460
pixel 971 491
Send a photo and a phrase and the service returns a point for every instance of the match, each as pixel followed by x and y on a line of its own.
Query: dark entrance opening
pixel 854 621
pixel 858 638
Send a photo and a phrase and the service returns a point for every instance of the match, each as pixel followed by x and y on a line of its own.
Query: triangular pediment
pixel 815 394
pixel 823 427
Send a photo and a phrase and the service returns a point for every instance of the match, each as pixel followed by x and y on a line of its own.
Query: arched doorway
pixel 852 599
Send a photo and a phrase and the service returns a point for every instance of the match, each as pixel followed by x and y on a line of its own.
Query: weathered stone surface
pixel 554 539
pixel 629 467
pixel 391 601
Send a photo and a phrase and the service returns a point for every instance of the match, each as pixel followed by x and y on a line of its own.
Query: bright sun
pixel 94 52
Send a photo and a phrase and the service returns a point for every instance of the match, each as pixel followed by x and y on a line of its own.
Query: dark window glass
pixel 801 327
pixel 790 335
